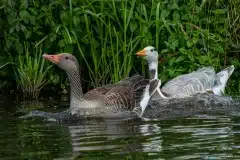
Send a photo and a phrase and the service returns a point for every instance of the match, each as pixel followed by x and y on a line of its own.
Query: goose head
pixel 65 61
pixel 150 54
pixel 69 64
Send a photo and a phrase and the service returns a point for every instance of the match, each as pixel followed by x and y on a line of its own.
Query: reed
pixel 31 72
pixel 111 46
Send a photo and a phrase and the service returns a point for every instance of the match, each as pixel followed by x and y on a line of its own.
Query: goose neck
pixel 153 69
pixel 75 86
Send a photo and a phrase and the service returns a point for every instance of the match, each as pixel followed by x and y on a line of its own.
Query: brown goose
pixel 129 95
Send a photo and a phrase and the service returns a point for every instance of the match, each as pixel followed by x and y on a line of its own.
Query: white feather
pixel 145 99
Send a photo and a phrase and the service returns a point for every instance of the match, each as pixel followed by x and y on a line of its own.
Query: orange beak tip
pixel 141 53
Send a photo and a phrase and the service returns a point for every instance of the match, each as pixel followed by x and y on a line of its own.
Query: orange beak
pixel 53 58
pixel 141 53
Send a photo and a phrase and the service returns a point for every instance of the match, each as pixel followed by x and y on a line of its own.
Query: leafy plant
pixel 31 73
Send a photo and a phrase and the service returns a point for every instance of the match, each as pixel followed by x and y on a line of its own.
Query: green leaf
pixel 183 50
pixel 175 6
pixel 176 16
pixel 12 28
pixel 28 35
pixel 61 43
pixel 23 28
pixel 175 44
pixel 24 15
pixel 180 58
pixel 221 11
pixel 195 40
pixel 76 21
pixel 19 47
pixel 133 26
pixel 17 28
pixel 171 72
pixel 164 51
pixel 191 57
pixel 64 17
pixel 189 43
pixel 164 13
pixel 33 20
pixel 167 44
pixel 53 37
pixel 172 61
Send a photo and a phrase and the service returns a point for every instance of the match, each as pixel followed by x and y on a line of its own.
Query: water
pixel 197 137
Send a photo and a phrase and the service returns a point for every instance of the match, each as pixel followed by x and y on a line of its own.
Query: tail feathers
pixel 221 80
pixel 229 70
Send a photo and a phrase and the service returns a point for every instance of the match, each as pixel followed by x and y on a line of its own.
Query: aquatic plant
pixel 31 72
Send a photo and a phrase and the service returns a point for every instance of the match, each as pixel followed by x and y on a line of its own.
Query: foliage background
pixel 105 34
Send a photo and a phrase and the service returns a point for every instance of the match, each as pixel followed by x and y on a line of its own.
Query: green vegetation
pixel 31 72
pixel 105 34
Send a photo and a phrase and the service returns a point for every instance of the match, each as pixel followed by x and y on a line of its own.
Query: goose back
pixel 192 83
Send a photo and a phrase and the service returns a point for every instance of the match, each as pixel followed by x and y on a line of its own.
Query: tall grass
pixel 31 72
pixel 109 49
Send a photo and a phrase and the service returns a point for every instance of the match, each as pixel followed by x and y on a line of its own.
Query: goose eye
pixel 151 50
pixel 66 58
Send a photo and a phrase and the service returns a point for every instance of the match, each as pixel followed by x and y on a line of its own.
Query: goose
pixel 200 81
pixel 130 94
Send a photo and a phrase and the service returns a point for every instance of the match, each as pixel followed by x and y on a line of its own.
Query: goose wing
pixel 126 93
pixel 101 91
pixel 192 83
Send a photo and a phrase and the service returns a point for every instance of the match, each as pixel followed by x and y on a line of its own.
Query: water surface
pixel 196 137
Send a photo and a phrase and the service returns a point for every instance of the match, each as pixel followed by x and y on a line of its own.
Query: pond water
pixel 196 137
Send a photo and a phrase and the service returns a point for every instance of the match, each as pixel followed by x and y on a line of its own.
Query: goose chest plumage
pixel 129 95
pixel 203 80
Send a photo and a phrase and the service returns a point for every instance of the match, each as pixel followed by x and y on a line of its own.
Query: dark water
pixel 197 137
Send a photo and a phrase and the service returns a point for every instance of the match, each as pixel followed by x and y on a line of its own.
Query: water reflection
pixel 199 137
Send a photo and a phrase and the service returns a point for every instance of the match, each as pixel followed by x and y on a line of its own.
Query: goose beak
pixel 141 53
pixel 53 58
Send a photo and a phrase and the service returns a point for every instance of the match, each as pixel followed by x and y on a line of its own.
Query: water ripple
pixel 199 137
